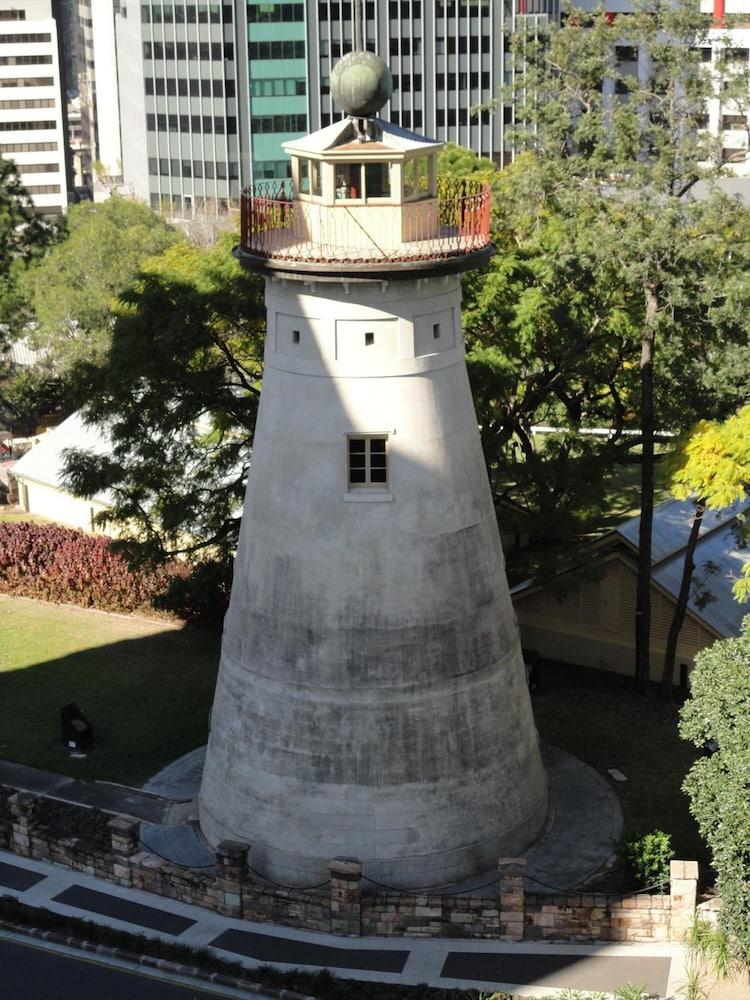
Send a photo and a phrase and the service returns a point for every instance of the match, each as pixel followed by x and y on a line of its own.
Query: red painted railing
pixel 276 225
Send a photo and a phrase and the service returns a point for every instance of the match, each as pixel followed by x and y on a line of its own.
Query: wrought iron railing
pixel 275 224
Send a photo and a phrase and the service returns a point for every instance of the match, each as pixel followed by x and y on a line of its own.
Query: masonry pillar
pixel 346 897
pixel 683 891
pixel 231 872
pixel 124 835
pixel 511 897
pixel 22 806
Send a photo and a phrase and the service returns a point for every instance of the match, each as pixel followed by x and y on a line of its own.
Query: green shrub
pixel 648 858
pixel 718 785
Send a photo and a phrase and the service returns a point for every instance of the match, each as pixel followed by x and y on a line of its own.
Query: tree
pixel 623 150
pixel 177 393
pixel 23 237
pixel 73 289
pixel 717 715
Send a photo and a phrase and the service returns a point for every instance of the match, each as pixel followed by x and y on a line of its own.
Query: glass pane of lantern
pixel 348 181
pixel 377 180
pixel 304 176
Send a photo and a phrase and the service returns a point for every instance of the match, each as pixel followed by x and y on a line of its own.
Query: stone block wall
pixel 348 906
pixel 597 917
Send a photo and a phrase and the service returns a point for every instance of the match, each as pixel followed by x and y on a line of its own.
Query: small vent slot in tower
pixel 436 331
pixel 295 336
pixel 369 339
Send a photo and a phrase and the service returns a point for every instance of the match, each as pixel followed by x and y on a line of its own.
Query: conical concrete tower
pixel 371 700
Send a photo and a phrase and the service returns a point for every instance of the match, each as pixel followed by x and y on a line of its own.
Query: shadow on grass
pixel 148 699
pixel 600 718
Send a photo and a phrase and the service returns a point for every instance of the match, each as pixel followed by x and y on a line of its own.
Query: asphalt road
pixel 28 973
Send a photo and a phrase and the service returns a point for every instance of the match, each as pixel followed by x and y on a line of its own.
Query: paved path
pixel 529 968
pixel 31 972
pixel 97 794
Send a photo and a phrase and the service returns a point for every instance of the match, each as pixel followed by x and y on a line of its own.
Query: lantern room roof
pixel 342 137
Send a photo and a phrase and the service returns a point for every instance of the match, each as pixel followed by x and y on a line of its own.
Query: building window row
pixel 282 87
pixel 42 188
pixel 25 60
pixel 409 46
pixel 26 126
pixel 188 50
pixel 12 15
pixel 404 9
pixel 277 50
pixel 269 169
pixel 20 39
pixel 192 123
pixel 27 81
pixel 462 80
pixel 265 12
pixel 404 119
pixel 182 87
pixel 38 168
pixel 28 147
pixel 463 116
pixel 168 13
pixel 409 81
pixel 343 11
pixel 464 8
pixel 279 123
pixel 31 102
pixel 210 169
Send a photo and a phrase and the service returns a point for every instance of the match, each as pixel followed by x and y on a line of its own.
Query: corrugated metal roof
pixel 671 527
pixel 44 462
pixel 718 564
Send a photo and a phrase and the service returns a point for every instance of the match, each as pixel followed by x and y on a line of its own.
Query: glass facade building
pixel 210 90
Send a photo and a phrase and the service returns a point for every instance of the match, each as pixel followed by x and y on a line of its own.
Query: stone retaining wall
pixel 348 905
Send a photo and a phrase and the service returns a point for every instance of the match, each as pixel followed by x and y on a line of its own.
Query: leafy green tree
pixel 24 236
pixel 621 152
pixel 26 394
pixel 73 289
pixel 718 714
pixel 177 393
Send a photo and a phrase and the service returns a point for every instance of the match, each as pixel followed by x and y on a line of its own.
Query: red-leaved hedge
pixel 64 565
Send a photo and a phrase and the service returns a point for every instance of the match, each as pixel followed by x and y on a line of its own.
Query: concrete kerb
pixel 141 962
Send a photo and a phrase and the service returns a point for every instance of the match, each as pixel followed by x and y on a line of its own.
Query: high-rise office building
pixel 178 101
pixel 99 97
pixel 209 91
pixel 32 107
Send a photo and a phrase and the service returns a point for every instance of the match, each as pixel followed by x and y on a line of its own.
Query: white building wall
pixel 109 147
pixel 33 136
pixel 57 505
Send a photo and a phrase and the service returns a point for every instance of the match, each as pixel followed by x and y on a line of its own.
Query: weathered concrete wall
pixel 371 701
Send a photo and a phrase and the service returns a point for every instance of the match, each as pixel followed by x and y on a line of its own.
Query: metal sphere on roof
pixel 361 83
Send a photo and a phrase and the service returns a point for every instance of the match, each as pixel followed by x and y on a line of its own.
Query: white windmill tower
pixel 371 699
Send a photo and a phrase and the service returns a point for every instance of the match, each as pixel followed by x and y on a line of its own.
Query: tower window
pixel 295 336
pixel 367 461
pixel 369 339
pixel 436 331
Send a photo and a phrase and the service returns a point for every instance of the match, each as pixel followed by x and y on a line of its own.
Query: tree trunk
pixel 643 599
pixel 682 600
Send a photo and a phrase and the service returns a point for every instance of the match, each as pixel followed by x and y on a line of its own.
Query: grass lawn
pixel 16 514
pixel 146 688
pixel 599 717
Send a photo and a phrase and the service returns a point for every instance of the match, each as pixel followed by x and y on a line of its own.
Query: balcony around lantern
pixel 430 235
